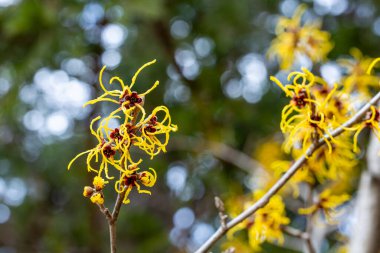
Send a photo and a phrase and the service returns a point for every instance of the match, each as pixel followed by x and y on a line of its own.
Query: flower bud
pixel 98 183
pixel 97 198
pixel 88 191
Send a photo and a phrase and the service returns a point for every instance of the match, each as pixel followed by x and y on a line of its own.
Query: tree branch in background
pixel 365 232
pixel 162 33
pixel 219 150
pixel 286 177
pixel 233 156
pixel 295 232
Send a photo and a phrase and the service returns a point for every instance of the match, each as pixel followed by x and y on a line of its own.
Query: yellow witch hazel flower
pixel 334 165
pixel 303 175
pixel 324 166
pixel 358 76
pixel 294 38
pixel 152 129
pixel 106 149
pixel 265 224
pixel 315 108
pixel 149 133
pixel 131 178
pixel 371 118
pixel 126 98
pixel 327 203
pixel 305 118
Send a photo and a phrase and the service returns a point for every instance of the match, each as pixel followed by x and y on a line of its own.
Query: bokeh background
pixel 214 72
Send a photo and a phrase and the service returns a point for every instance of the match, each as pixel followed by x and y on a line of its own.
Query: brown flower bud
pixel 88 191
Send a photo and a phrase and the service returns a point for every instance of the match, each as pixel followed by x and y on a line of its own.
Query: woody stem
pixel 113 219
pixel 112 229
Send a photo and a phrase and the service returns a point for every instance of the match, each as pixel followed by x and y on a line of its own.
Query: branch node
pixel 223 217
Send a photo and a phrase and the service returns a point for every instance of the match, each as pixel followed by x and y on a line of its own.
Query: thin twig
pixel 286 177
pixel 219 150
pixel 105 211
pixel 234 156
pixel 295 232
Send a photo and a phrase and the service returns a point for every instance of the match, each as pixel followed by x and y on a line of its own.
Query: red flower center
pixel 108 151
pixel 133 99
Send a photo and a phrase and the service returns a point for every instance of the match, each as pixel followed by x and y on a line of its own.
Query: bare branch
pixel 220 150
pixel 295 232
pixel 116 208
pixel 233 156
pixel 286 177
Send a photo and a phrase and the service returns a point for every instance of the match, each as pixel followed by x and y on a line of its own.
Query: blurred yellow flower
pixel 338 163
pixel 265 224
pixel 303 175
pixel 295 38
pixel 370 120
pixel 327 203
pixel 358 77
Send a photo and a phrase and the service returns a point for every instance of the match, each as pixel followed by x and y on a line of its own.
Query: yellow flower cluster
pixel 265 224
pixel 315 108
pixel 312 112
pixel 295 38
pixel 148 132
